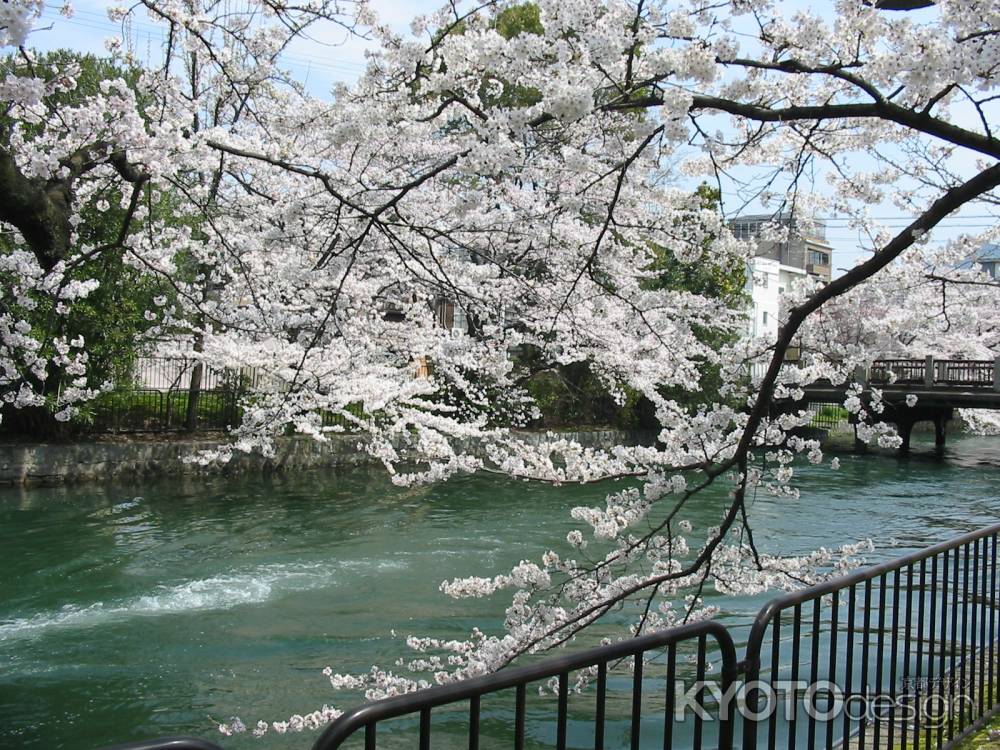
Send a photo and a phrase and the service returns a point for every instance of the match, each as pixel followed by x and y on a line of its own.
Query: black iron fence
pixel 906 648
pixel 623 673
pixel 898 656
pixel 827 415
pixel 157 396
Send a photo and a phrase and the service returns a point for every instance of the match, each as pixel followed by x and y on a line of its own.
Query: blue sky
pixel 331 55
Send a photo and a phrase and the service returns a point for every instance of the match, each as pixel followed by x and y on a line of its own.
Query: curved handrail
pixel 389 708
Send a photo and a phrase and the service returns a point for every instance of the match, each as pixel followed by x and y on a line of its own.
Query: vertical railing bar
pixel 944 636
pixel 865 647
pixel 985 601
pixel 636 701
pixel 879 655
pixel 561 717
pixel 772 720
pixel 965 628
pixel 907 630
pixel 425 729
pixel 793 701
pixel 832 669
pixel 993 614
pixel 813 672
pixel 668 721
pixel 520 694
pixel 370 736
pixel 973 687
pixel 602 695
pixel 893 653
pixel 920 654
pixel 849 661
pixel 954 641
pixel 474 722
pixel 931 687
pixel 699 694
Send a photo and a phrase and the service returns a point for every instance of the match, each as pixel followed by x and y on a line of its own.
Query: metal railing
pixel 910 636
pixel 827 414
pixel 901 638
pixel 423 702
pixel 964 372
pixel 969 373
pixel 155 396
pixel 906 371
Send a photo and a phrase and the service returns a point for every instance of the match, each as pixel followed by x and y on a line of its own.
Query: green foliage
pixel 519 19
pixel 725 283
pixel 509 23
pixel 112 318
pixel 47 66
pixel 573 396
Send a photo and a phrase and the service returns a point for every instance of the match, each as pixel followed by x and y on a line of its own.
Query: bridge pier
pixel 860 446
pixel 905 417
pixel 940 428
pixel 905 429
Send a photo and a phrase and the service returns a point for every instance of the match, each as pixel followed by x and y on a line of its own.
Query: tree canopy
pixel 537 167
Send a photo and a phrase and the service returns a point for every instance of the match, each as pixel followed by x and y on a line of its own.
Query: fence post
pixel 996 374
pixel 928 371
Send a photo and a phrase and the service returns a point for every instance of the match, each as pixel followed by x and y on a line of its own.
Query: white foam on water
pixel 214 593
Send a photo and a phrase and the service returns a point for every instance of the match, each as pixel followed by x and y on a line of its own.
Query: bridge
pixel 940 385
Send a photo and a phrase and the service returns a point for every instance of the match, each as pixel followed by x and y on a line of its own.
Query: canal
pixel 131 611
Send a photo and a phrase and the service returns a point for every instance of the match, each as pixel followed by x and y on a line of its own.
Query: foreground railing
pixel 632 652
pixel 907 648
pixel 898 656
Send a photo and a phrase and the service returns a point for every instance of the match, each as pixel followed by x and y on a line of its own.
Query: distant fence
pixel 827 415
pixel 156 395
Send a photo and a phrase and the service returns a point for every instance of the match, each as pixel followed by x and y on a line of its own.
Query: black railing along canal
pixel 907 650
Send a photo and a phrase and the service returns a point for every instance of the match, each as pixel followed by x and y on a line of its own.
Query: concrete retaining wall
pixel 59 463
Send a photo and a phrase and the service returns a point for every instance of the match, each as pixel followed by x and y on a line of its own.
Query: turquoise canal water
pixel 132 611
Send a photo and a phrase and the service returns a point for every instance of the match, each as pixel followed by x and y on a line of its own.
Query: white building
pixel 777 265
pixel 763 279
pixel 767 279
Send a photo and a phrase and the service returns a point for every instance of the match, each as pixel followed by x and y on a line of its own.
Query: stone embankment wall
pixel 58 463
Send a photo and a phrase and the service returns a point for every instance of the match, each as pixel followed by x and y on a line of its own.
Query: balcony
pixel 817 269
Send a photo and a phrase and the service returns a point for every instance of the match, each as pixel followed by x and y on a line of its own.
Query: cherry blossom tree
pixel 532 179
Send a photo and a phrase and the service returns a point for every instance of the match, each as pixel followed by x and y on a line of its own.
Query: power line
pixel 151 32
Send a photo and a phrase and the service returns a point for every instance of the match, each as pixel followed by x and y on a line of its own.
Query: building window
pixel 765 317
pixel 819 259
pixel 460 323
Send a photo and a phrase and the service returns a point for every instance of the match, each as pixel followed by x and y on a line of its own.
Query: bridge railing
pixel 897 371
pixel 930 372
pixel 964 372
